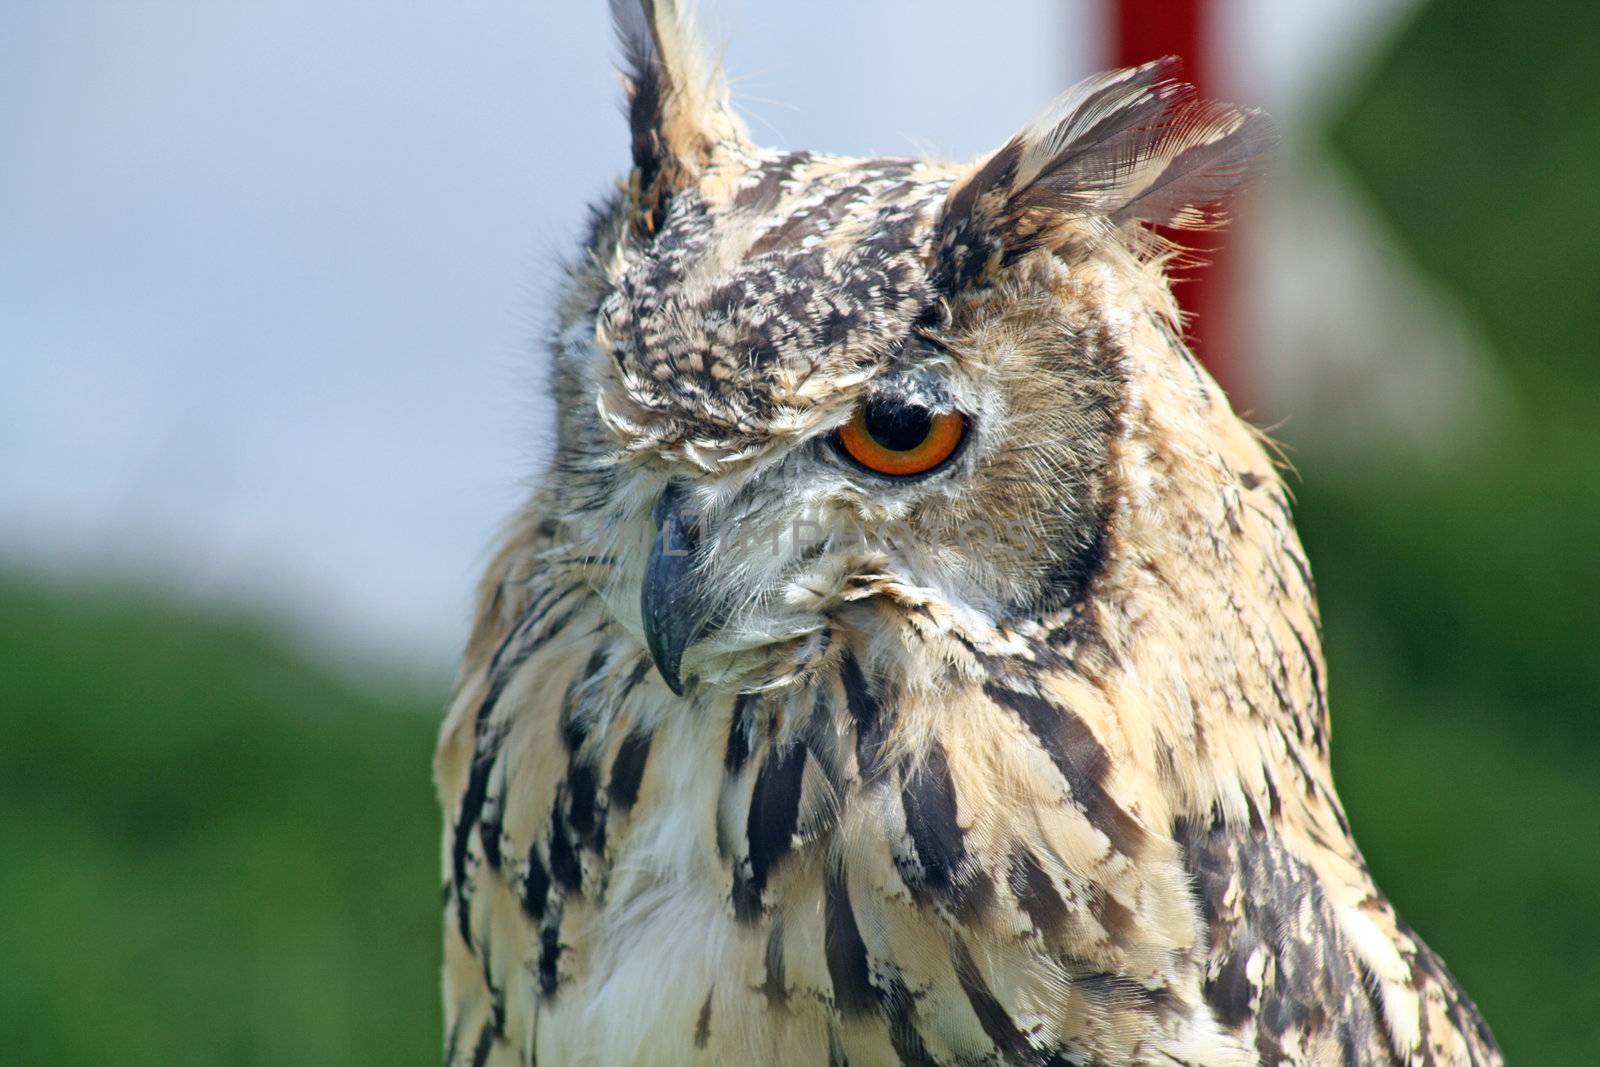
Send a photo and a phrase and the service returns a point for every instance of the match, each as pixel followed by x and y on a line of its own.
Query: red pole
pixel 1143 30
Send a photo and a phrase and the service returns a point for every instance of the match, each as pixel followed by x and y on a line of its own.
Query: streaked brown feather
pixel 1063 798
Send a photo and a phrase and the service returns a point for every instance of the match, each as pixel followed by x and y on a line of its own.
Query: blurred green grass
pixel 1460 595
pixel 213 852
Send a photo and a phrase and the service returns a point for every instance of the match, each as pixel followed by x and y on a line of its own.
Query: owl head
pixel 802 394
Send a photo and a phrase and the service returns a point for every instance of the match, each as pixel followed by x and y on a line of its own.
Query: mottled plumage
pixel 760 757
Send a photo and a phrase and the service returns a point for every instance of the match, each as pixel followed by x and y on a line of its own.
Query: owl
pixel 908 656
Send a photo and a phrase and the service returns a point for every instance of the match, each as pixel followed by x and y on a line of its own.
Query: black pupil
pixel 897 427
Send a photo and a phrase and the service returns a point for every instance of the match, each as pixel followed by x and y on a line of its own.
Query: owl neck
pixel 1200 631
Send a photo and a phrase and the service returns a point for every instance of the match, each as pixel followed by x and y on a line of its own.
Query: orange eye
pixel 900 440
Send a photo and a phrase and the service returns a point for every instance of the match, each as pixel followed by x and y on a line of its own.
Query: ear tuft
pixel 1126 147
pixel 678 109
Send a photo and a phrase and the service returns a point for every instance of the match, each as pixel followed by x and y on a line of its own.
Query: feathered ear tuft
pixel 678 109
pixel 1130 146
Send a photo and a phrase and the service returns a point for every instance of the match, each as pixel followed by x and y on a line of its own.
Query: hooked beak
pixel 672 603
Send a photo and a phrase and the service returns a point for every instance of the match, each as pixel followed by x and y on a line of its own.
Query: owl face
pixel 800 391
pixel 789 416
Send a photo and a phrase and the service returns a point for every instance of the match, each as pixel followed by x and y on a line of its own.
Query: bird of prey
pixel 908 656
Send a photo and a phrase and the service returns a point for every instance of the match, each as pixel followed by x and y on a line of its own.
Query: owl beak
pixel 672 603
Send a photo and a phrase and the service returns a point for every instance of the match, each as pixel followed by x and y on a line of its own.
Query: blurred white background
pixel 273 277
